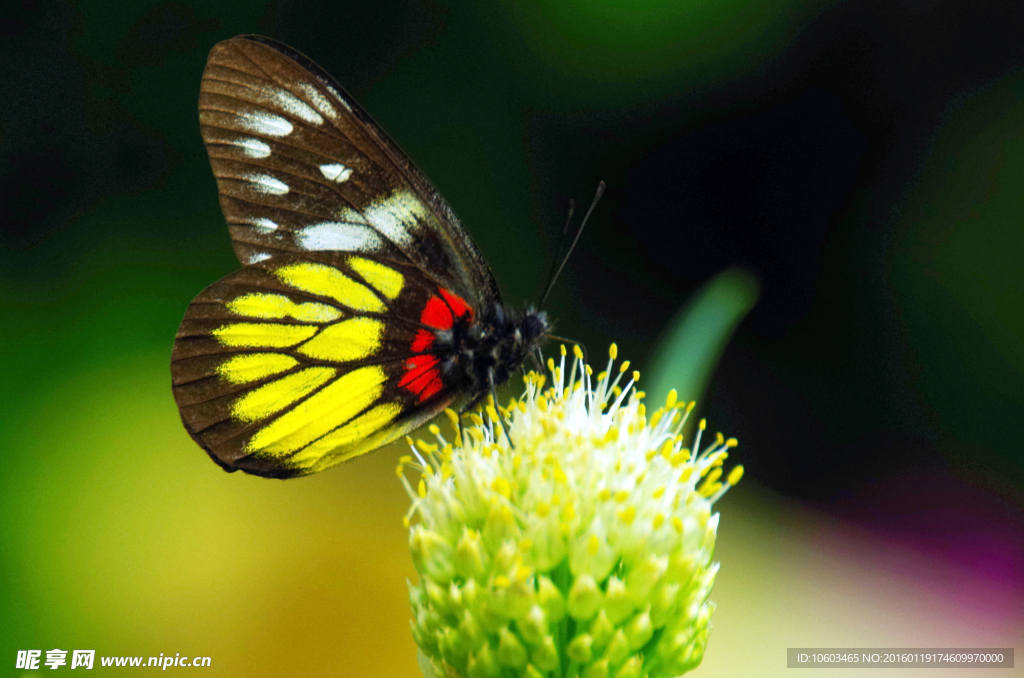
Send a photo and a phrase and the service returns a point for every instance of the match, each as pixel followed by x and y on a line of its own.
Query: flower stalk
pixel 583 551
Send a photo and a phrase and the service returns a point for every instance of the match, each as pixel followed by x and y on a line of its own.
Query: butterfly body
pixel 362 309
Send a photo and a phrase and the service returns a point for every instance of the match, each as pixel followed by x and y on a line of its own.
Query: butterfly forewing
pixel 301 168
pixel 292 365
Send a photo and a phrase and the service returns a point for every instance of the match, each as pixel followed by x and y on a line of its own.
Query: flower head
pixel 583 550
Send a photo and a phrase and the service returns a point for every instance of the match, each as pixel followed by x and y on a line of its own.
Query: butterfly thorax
pixel 486 351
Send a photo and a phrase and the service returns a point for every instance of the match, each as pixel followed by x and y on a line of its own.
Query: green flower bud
pixel 511 652
pixel 545 655
pixel 584 598
pixel 534 626
pixel 469 556
pixel 580 649
pixel 598 669
pixel 617 601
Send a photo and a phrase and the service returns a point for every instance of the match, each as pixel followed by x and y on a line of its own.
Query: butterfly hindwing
pixel 293 364
pixel 301 168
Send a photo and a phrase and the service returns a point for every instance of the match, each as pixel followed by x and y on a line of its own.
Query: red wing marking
pixel 422 376
pixel 459 306
pixel 422 341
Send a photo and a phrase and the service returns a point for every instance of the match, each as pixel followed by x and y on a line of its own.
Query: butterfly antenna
pixel 561 243
pixel 565 259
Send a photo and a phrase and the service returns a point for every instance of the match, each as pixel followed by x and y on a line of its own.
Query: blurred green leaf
pixel 690 347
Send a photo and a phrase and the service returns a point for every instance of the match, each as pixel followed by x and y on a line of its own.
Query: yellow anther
pixel 492 413
pixel 651 454
pixel 409 441
pixel 666 449
pixel 522 574
pixel 732 442
pixel 734 475
pixel 525 544
pixel 641 409
pixel 568 513
pixel 543 509
pixel 561 349
pixel 434 429
pixel 719 439
pixel 677 523
pixel 577 351
pixel 628 514
pixel 708 489
pixel 658 493
pixel 703 424
pixel 405 459
pixel 714 475
pixel 502 487
pixel 590 371
pixel 685 475
pixel 613 351
pixel 452 417
pixel 621 496
pixel 517 461
pixel 623 367
pixel 593 545
pixel 605 494
pixel 560 476
pixel 421 489
pixel 502 582
pixel 476 419
pixel 690 405
pixel 551 364
pixel 400 470
pixel 671 398
pixel 636 375
pixel 659 520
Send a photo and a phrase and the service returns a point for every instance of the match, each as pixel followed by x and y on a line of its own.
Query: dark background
pixel 864 160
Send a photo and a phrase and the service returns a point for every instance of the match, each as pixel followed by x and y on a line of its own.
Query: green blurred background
pixel 862 161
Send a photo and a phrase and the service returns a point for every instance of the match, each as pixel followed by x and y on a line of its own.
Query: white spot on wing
pixel 263 224
pixel 265 123
pixel 297 107
pixel 264 183
pixel 254 148
pixel 336 172
pixel 397 217
pixel 339 236
pixel 259 256
pixel 319 100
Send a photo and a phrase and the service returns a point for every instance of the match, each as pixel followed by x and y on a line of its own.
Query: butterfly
pixel 362 308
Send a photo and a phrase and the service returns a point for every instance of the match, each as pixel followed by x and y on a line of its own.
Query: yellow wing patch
pixel 359 428
pixel 262 305
pixel 385 279
pixel 327 281
pixel 250 367
pixel 348 340
pixel 277 395
pixel 321 413
pixel 263 335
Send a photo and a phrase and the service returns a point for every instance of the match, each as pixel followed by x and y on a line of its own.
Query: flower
pixel 581 550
